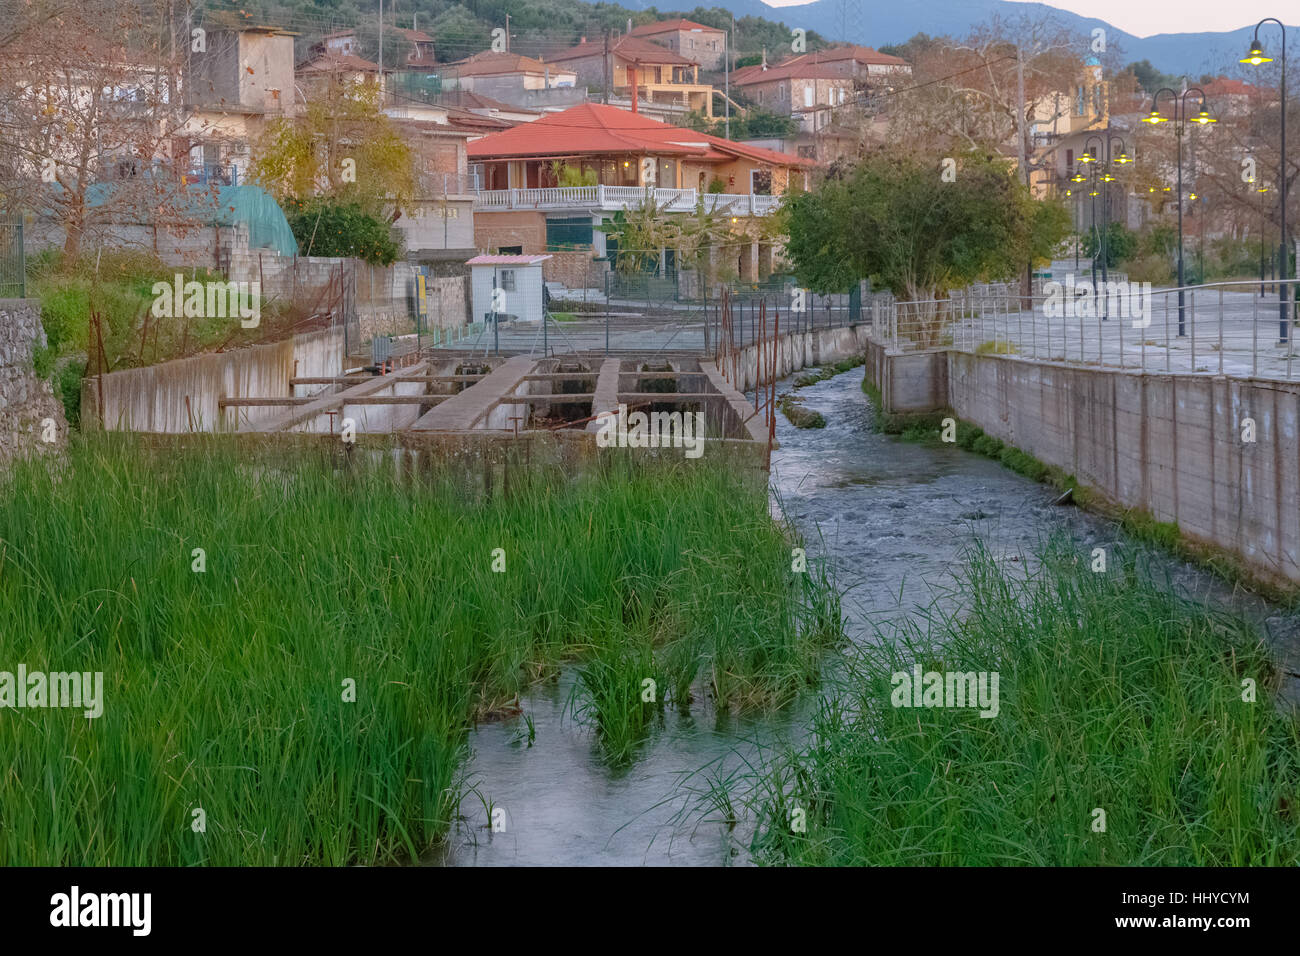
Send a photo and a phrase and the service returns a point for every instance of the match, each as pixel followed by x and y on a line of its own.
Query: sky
pixel 1144 17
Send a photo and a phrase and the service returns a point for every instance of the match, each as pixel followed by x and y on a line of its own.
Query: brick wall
pixel 576 269
pixel 492 230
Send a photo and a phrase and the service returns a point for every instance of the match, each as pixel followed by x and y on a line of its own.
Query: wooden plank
pixel 335 400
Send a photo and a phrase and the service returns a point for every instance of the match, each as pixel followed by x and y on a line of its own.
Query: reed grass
pixel 1115 695
pixel 224 690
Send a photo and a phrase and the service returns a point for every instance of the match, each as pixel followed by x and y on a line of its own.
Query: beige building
pixel 243 80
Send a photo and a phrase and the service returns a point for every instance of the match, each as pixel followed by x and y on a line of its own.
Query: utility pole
pixel 608 78
pixel 507 31
pixel 726 59
pixel 381 44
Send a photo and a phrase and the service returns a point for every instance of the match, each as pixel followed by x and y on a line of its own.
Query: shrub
pixel 325 228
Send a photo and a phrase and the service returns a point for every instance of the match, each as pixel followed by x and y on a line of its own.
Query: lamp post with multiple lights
pixel 1180 127
pixel 1103 179
pixel 1255 57
pixel 1078 178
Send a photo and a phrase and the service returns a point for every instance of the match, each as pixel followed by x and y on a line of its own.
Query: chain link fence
pixel 13 266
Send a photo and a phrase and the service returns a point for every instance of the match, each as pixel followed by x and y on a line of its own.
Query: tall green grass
pixel 224 689
pixel 1114 695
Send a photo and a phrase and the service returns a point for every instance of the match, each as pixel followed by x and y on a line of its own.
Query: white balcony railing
pixel 614 198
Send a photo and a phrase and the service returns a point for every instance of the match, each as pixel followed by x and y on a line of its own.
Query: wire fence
pixel 13 266
pixel 1237 328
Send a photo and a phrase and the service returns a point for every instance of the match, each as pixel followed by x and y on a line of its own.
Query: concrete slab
pixel 467 409
pixel 606 399
pixel 752 426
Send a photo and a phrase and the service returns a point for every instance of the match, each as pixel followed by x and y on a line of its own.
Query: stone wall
pixel 26 402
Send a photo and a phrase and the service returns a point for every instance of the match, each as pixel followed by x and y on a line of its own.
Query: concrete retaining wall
pixel 794 352
pixel 153 399
pixel 1171 445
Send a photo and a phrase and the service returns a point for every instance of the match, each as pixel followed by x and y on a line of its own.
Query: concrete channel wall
pixel 795 352
pixel 1171 445
pixel 154 399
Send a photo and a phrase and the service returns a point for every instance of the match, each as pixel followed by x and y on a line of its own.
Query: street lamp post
pixel 1180 127
pixel 1104 178
pixel 1255 57
pixel 1263 239
pixel 1077 178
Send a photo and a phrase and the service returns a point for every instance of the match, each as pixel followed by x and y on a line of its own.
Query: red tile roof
pixel 670 26
pixel 597 129
pixel 488 63
pixel 630 48
pixel 812 66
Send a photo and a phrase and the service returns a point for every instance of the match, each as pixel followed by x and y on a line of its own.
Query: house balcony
pixel 615 198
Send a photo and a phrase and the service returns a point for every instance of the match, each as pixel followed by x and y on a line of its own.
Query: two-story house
pixel 522 208
pixel 649 77
pixel 706 46
pixel 519 81
pixel 812 86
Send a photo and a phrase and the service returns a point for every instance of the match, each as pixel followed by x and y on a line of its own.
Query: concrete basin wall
pixel 153 399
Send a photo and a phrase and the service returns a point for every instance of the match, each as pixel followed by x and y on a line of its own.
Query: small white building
pixel 519 279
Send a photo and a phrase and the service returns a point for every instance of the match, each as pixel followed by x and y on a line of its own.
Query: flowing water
pixel 894 518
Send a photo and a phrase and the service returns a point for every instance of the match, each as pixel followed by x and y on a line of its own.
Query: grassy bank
pixel 1114 696
pixel 225 690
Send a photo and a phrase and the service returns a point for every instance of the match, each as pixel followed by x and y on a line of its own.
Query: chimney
pixel 765 58
pixel 584 39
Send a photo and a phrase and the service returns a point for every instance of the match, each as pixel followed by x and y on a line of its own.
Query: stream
pixel 894 518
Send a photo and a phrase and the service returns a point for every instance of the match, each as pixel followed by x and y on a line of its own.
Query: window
pixel 568 232
pixel 507 279
pixel 807 96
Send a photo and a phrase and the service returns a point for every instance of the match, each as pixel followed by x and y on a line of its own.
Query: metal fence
pixel 13 266
pixel 1223 328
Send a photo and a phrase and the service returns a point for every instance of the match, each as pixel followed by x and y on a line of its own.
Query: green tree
pixel 324 227
pixel 341 146
pixel 1121 243
pixel 893 218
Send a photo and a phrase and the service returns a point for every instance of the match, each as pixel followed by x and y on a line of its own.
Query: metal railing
pixel 613 198
pixel 13 265
pixel 1223 328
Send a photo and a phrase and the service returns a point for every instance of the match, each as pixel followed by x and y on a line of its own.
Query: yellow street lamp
pixel 1256 56
pixel 1155 117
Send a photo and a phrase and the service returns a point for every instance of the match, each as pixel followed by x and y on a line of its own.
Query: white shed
pixel 519 279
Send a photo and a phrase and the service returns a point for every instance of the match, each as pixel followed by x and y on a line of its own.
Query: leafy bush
pixel 324 228
pixel 1122 243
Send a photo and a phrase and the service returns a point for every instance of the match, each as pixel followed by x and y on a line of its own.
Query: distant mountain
pixel 878 22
